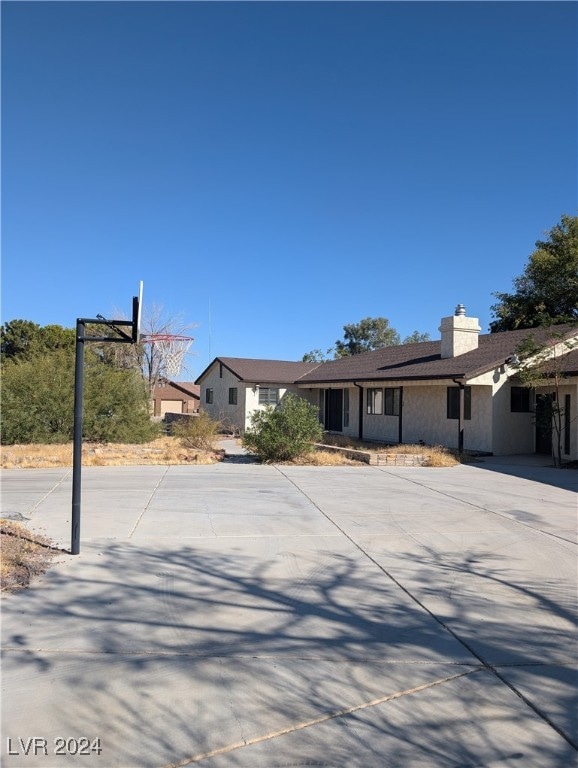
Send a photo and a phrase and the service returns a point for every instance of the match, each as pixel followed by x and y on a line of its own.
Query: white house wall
pixel 252 395
pixel 220 380
pixel 513 432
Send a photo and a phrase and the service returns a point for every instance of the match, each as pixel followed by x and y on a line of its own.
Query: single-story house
pixel 462 391
pixel 232 388
pixel 175 397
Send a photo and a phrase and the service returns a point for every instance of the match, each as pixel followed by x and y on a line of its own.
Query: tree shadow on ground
pixel 194 649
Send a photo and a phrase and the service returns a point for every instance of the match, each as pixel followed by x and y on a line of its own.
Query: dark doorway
pixel 544 424
pixel 334 410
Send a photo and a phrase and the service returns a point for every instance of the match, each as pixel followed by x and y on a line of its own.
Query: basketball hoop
pixel 172 349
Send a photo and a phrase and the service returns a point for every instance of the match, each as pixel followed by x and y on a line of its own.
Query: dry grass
pixel 24 556
pixel 172 451
pixel 321 458
pixel 163 450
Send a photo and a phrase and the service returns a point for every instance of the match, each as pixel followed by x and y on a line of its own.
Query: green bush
pixel 198 432
pixel 38 401
pixel 285 432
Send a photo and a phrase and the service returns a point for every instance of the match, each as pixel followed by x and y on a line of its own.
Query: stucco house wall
pixel 513 432
pixel 253 404
pixel 378 426
pixel 219 379
pixel 424 417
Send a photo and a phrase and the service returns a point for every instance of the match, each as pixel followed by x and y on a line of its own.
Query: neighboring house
pixel 175 397
pixel 461 392
pixel 232 388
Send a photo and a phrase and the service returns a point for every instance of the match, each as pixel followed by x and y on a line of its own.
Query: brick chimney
pixel 459 333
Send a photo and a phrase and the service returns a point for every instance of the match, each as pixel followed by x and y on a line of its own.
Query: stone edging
pixel 379 458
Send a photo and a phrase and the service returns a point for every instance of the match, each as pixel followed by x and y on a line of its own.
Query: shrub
pixel 285 432
pixel 198 432
pixel 38 401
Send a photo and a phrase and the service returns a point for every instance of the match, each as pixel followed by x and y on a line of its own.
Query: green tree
pixel 416 337
pixel 369 334
pixel 317 356
pixel 547 290
pixel 23 339
pixel 116 404
pixel 17 336
pixel 285 432
pixel 38 400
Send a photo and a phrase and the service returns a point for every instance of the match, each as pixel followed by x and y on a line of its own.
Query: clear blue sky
pixel 272 170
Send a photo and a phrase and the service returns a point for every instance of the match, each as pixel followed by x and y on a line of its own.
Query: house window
pixel 209 396
pixel 345 407
pixel 454 403
pixel 392 401
pixel 520 400
pixel 268 396
pixel 232 395
pixel 375 401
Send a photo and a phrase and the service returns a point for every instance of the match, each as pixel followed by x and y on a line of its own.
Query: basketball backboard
pixel 137 314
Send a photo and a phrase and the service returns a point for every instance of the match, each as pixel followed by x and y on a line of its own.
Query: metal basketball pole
pixel 122 337
pixel 77 440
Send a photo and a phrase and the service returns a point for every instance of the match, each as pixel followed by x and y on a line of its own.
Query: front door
pixel 334 410
pixel 544 424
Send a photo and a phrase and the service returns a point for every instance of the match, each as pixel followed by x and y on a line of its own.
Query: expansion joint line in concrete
pixel 471 504
pixel 317 720
pixel 47 494
pixel 146 506
pixel 486 665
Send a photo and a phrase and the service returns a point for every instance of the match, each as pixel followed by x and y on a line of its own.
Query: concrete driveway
pixel 247 615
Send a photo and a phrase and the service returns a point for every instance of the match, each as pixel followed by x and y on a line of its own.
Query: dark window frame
pixel 232 395
pixel 392 401
pixel 209 395
pixel 453 403
pixel 520 400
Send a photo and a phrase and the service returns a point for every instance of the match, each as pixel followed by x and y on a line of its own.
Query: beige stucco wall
pixel 239 415
pixel 231 415
pixel 425 418
pixel 513 432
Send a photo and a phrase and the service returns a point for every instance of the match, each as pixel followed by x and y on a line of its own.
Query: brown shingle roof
pixel 264 371
pixel 167 388
pixel 404 362
pixel 423 360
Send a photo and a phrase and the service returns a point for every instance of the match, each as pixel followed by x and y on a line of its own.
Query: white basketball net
pixel 172 351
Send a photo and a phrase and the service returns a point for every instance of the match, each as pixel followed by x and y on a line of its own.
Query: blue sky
pixel 273 171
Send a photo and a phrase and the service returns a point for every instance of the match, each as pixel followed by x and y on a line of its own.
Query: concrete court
pixel 247 615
